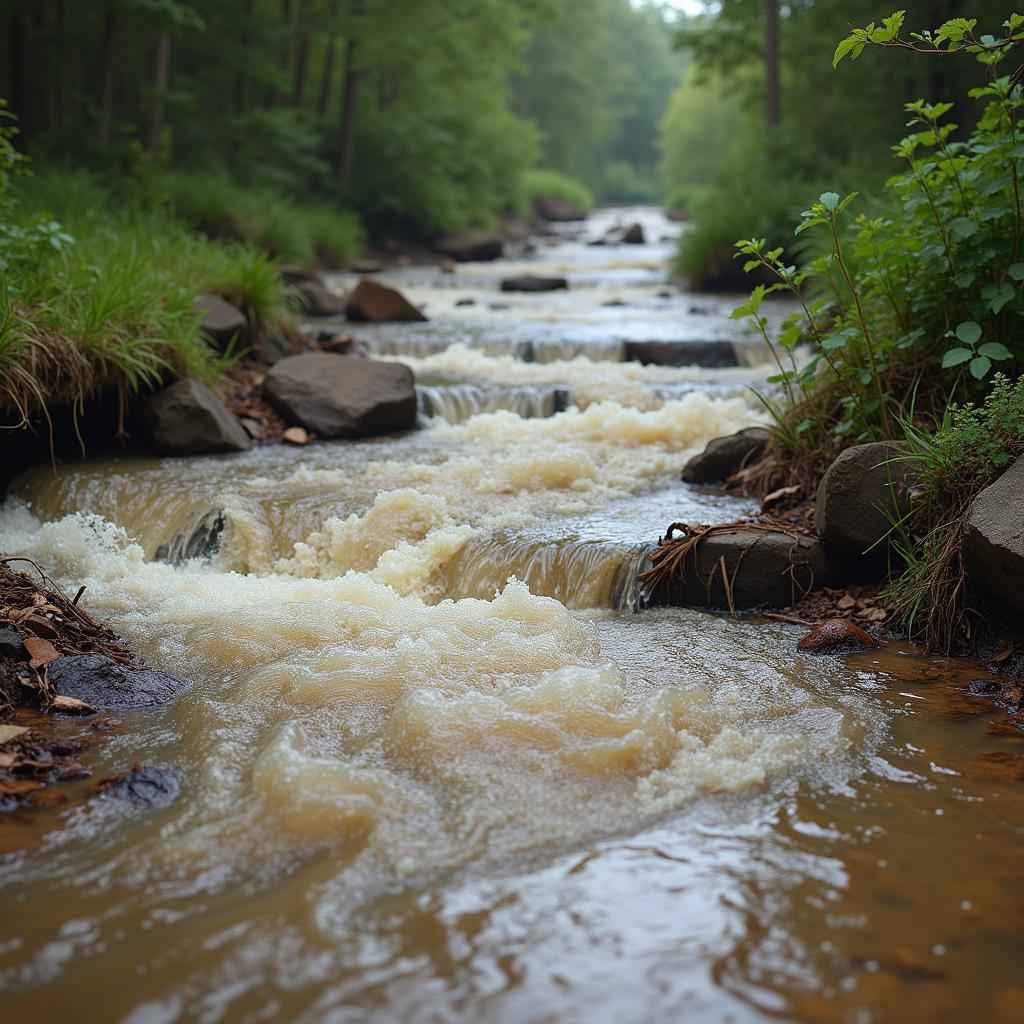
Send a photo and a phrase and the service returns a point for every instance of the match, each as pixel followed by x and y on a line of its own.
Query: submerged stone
pixel 105 684
pixel 534 283
pixel 836 636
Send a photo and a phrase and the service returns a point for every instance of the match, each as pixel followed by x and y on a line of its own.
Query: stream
pixel 437 764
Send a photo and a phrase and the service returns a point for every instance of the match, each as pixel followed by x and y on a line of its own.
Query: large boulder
pixel 533 283
pixel 472 245
pixel 105 684
pixel 861 494
pixel 187 418
pixel 994 538
pixel 317 299
pixel 373 302
pixel 722 456
pixel 634 235
pixel 764 569
pixel 342 396
pixel 221 321
pixel 555 208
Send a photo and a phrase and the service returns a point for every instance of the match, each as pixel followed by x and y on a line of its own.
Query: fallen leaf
pixel 72 705
pixel 40 625
pixel 6 760
pixel 18 787
pixel 1003 655
pixel 846 602
pixel 11 732
pixel 41 652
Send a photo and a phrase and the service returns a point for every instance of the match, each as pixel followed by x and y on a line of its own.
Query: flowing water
pixel 435 767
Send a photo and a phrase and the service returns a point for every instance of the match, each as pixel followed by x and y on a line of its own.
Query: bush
pixel 540 181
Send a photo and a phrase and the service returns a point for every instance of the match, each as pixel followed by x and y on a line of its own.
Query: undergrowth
pixel 541 182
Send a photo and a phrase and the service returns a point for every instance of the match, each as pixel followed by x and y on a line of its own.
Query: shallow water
pixel 413 790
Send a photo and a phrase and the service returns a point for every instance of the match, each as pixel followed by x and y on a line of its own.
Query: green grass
pixel 539 182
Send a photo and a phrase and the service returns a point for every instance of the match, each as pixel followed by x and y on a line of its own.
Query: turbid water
pixel 415 789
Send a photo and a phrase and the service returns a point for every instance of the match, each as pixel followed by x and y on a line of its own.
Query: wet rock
pixel 681 353
pixel 722 456
pixel 337 396
pixel 472 245
pixel 318 300
pixel 555 208
pixel 296 436
pixel 144 786
pixel 10 642
pixel 335 341
pixel 515 230
pixel 201 542
pixel 466 302
pixel 533 283
pixel 498 306
pixel 293 273
pixel 861 492
pixel 187 418
pixel 367 266
pixel 634 235
pixel 836 636
pixel 994 537
pixel 983 687
pixel 221 321
pixel 373 302
pixel 765 569
pixel 105 684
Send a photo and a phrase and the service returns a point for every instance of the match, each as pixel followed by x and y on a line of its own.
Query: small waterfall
pixel 550 350
pixel 419 346
pixel 201 542
pixel 458 402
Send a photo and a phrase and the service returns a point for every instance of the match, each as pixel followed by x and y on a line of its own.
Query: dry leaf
pixel 846 602
pixel 72 705
pixel 11 732
pixel 41 626
pixel 42 652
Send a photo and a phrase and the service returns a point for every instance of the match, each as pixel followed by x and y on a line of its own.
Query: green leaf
pixel 956 356
pixel 844 47
pixel 1016 271
pixel 994 350
pixel 969 332
pixel 980 366
pixel 830 200
pixel 1003 294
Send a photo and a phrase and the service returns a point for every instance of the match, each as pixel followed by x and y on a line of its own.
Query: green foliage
pixel 538 182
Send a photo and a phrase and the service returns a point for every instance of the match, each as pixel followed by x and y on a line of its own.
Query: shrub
pixel 541 181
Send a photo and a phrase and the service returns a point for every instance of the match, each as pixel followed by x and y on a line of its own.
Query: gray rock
pixel 858 497
pixel 681 353
pixel 532 283
pixel 342 396
pixel 722 456
pixel 367 265
pixel 105 684
pixel 221 321
pixel 472 245
pixel 318 300
pixel 554 208
pixel 10 642
pixel 994 539
pixel 634 235
pixel 145 785
pixel 293 273
pixel 373 302
pixel 187 418
pixel 766 569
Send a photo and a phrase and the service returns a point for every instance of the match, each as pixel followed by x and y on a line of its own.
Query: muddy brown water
pixel 411 790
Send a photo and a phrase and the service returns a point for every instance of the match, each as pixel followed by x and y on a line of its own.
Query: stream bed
pixel 435 765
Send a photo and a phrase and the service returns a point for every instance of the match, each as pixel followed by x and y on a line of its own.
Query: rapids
pixel 435 767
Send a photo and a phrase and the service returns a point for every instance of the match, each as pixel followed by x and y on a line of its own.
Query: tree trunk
pixel 348 112
pixel 327 72
pixel 771 61
pixel 106 100
pixel 161 71
pixel 301 54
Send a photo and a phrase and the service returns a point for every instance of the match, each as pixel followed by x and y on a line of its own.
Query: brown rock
pixel 555 208
pixel 187 418
pixel 366 265
pixel 318 299
pixel 296 435
pixel 836 636
pixel 472 245
pixel 634 235
pixel 376 303
pixel 994 538
pixel 221 321
pixel 722 456
pixel 293 273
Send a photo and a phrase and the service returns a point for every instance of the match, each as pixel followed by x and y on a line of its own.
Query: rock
pixel 338 396
pixel 466 302
pixel 448 266
pixel 555 208
pixel 859 495
pixel 296 435
pixel 722 456
pixel 105 684
pixel 681 353
pixel 144 786
pixel 472 245
pixel 10 642
pixel 376 303
pixel 634 235
pixel 367 266
pixel 221 321
pixel 318 300
pixel 515 230
pixel 532 283
pixel 187 418
pixel 767 569
pixel 994 538
pixel 836 636
pixel 676 215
